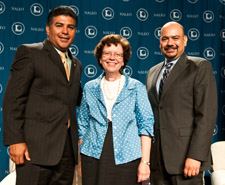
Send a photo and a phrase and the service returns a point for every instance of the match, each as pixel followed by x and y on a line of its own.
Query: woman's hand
pixel 143 172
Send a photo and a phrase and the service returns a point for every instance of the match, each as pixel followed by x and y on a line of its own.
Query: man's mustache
pixel 171 47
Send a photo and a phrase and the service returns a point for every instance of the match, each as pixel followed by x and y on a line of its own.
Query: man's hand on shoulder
pixel 17 153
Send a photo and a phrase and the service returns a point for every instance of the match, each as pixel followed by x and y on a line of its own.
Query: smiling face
pixel 112 59
pixel 61 32
pixel 172 40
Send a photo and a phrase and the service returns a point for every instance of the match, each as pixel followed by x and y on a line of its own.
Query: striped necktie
pixel 164 77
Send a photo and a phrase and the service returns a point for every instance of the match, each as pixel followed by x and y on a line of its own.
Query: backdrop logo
pixel 128 70
pixel 215 130
pixel 208 16
pixel 142 53
pixel 74 50
pixel 223 109
pixel 108 13
pixel 90 71
pixel 222 34
pixel 193 34
pixel 157 32
pixel 2 7
pixel 0 88
pixel 142 14
pixel 223 2
pixel 91 32
pixel 126 32
pixel 223 72
pixel 75 9
pixel 209 53
pixel 193 1
pixel 36 9
pixel 1 47
pixel 18 28
pixel 159 1
pixel 8 150
pixel 175 15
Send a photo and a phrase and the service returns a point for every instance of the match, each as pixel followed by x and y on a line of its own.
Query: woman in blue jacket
pixel 115 121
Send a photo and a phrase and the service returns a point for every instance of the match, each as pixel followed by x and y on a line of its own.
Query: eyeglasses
pixel 109 54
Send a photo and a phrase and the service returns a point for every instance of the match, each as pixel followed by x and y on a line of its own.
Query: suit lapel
pixel 151 81
pixel 174 74
pixel 155 78
pixel 54 57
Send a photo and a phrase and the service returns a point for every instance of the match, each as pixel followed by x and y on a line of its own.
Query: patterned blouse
pixel 132 117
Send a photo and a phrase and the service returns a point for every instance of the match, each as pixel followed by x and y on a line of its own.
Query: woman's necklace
pixel 105 86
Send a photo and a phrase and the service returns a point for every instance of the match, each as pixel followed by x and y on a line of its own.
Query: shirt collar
pixel 61 52
pixel 173 61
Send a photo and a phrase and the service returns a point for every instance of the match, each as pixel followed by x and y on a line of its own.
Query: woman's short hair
pixel 113 39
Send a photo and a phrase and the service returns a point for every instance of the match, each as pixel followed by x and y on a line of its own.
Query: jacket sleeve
pixel 15 97
pixel 144 113
pixel 205 112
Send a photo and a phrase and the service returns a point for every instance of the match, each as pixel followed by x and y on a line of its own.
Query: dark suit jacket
pixel 185 115
pixel 39 100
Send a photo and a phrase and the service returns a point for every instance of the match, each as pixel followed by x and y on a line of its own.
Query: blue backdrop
pixel 23 21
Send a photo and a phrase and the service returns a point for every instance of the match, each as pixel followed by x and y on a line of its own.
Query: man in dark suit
pixel 39 105
pixel 185 110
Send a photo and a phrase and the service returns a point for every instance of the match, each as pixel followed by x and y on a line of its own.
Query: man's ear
pixel 47 30
pixel 185 40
